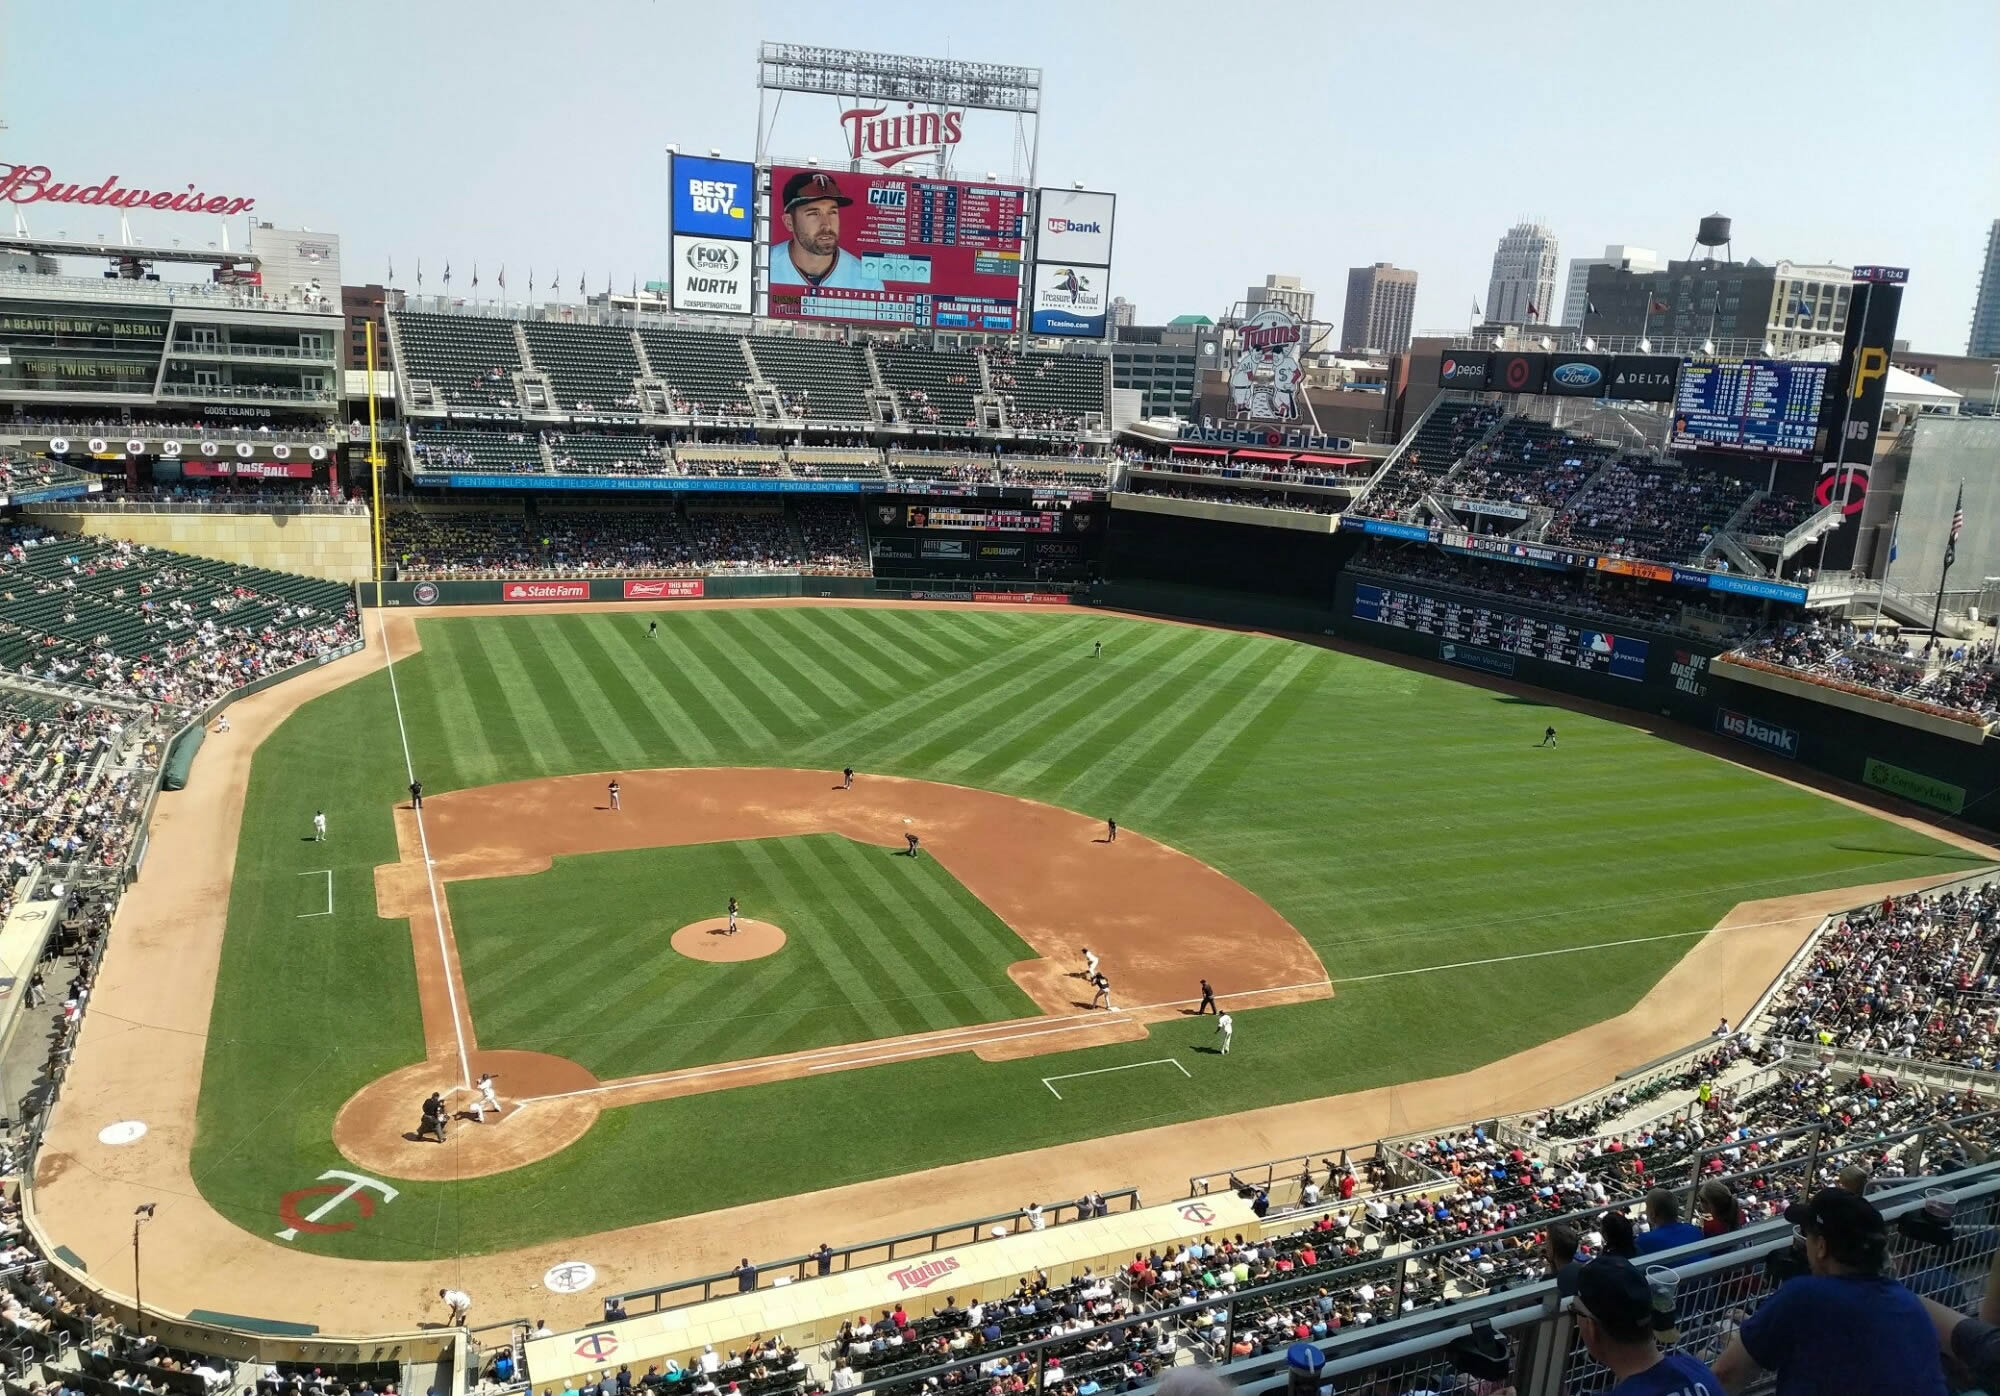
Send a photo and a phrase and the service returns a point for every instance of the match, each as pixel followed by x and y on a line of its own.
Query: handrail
pixel 844 1258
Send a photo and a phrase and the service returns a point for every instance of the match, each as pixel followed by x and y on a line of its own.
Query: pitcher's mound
pixel 710 940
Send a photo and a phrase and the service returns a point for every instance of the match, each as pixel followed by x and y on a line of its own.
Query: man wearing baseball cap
pixel 1614 1317
pixel 811 201
pixel 1847 1327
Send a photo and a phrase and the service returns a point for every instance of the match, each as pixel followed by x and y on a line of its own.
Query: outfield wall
pixel 1672 676
pixel 333 544
pixel 529 593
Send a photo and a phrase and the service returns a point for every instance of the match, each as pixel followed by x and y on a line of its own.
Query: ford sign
pixel 1577 375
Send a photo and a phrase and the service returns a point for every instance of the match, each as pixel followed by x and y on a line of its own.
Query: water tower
pixel 1713 233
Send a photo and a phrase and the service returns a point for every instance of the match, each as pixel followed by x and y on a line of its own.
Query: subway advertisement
pixel 895 251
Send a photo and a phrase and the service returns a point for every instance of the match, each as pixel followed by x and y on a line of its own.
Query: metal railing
pixel 258 392
pixel 196 294
pixel 229 349
pixel 121 432
pixel 220 504
pixel 794 1269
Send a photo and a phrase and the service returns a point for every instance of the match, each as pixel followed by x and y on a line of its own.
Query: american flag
pixel 1957 527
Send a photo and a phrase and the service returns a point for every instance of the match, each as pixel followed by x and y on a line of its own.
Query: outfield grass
pixel 1401 822
pixel 575 960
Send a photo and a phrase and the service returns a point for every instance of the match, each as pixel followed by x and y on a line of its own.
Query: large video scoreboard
pixel 1758 406
pixel 927 253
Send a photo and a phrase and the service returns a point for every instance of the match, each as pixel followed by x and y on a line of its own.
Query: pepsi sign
pixel 1578 375
pixel 1463 369
pixel 712 198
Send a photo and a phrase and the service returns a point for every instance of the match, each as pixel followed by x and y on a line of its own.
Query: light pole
pixel 141 1214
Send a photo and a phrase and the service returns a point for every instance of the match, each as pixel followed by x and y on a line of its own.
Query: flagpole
pixel 1950 556
pixel 1895 528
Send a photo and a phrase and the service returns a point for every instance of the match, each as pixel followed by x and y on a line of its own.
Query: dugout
pixel 810 1312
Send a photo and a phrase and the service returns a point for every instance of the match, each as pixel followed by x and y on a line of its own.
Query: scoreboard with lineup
pixel 927 253
pixel 1469 623
pixel 1761 406
pixel 984 520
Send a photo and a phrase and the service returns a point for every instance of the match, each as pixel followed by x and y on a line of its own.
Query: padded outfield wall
pixel 1232 574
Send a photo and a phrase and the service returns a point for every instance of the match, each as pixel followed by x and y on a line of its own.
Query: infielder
pixel 1225 1027
pixel 1089 963
pixel 614 794
pixel 1111 831
pixel 488 1099
pixel 1103 994
pixel 732 916
pixel 911 841
pixel 319 826
pixel 847 778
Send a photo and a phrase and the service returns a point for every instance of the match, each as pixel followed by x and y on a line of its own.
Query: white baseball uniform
pixel 319 828
pixel 487 1097
pixel 1225 1025
pixel 1089 963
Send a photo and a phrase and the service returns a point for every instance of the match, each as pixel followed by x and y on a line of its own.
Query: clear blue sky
pixel 1241 139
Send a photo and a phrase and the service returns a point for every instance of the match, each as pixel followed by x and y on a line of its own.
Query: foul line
pixel 423 840
pixel 329 894
pixel 1050 1081
pixel 1544 954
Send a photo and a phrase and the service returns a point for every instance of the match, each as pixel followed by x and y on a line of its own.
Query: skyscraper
pixel 1281 293
pixel 1381 302
pixel 1523 288
pixel 1985 339
pixel 1123 313
pixel 1576 300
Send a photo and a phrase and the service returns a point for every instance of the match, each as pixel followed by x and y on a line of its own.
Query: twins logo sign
pixel 1264 382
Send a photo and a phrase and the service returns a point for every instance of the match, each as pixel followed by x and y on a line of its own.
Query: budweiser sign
pixel 665 590
pixel 872 134
pixel 925 1275
pixel 33 184
pixel 545 591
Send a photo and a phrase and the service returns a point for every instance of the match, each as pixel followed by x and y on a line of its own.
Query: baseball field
pixel 1383 874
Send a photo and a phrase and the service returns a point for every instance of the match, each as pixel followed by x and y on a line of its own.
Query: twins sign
pixel 713 198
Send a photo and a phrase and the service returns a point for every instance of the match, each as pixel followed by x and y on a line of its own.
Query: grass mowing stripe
pixel 708 691
pixel 1021 763
pixel 851 981
pixel 759 631
pixel 1220 740
pixel 506 737
pixel 1090 786
pixel 1088 679
pixel 908 672
pixel 974 936
pixel 933 937
pixel 943 725
pixel 632 658
pixel 522 695
pixel 451 706
pixel 814 638
pixel 944 646
pixel 661 728
pixel 621 744
pixel 946 697
pixel 888 943
pixel 790 699
pixel 738 683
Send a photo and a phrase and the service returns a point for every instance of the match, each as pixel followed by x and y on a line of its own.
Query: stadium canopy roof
pixel 1190 320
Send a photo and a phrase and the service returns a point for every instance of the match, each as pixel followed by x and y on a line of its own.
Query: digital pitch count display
pixel 1759 406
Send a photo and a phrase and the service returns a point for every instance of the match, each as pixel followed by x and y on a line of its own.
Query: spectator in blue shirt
pixel 1847 1327
pixel 1614 1317
pixel 1665 1227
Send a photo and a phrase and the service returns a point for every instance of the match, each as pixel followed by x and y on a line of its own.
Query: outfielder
pixel 488 1099
pixel 319 826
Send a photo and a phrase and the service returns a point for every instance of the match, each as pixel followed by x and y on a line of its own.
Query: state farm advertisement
pixel 545 591
pixel 889 250
pixel 666 589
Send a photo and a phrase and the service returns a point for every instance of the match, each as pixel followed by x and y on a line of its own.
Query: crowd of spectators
pixel 65 794
pixel 1911 977
pixel 1775 515
pixel 1529 465
pixel 831 533
pixel 742 540
pixel 1249 469
pixel 1650 507
pixel 1956 682
pixel 628 540
pixel 1440 443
